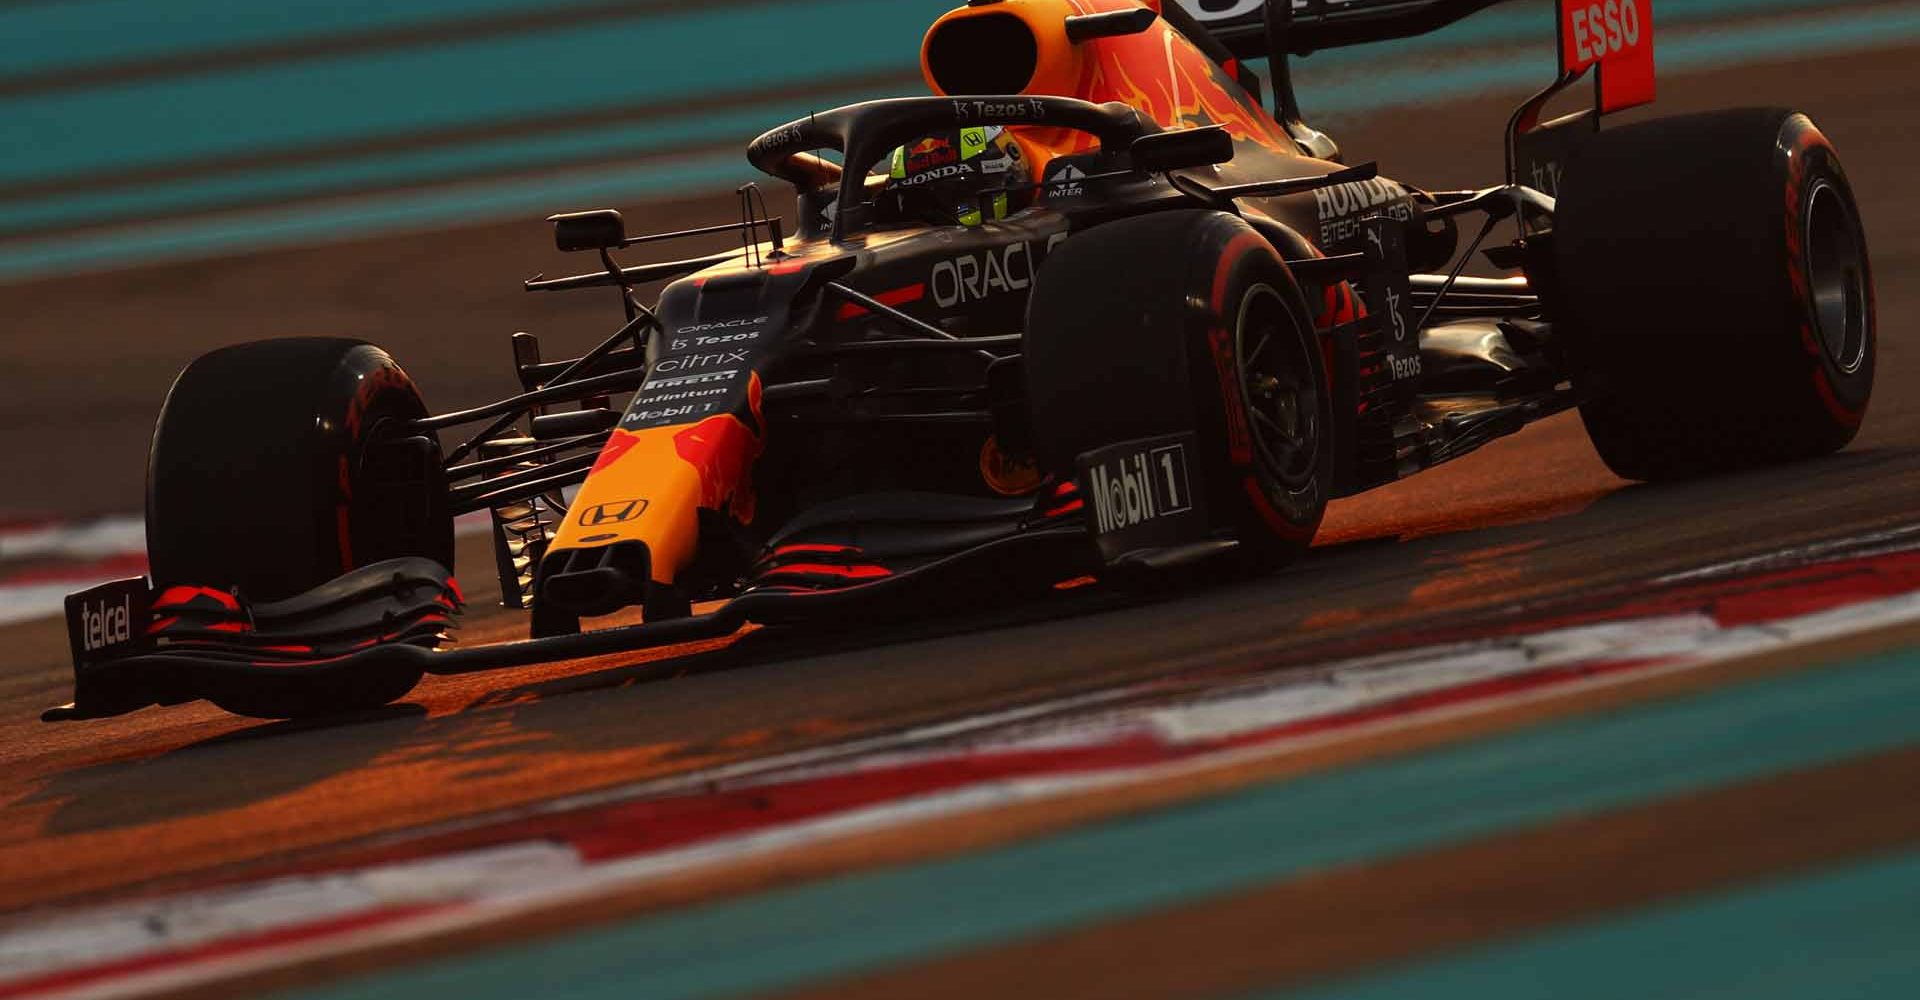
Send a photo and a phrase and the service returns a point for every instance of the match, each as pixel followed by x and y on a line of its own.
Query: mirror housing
pixel 600 229
pixel 574 423
pixel 1181 148
pixel 1108 24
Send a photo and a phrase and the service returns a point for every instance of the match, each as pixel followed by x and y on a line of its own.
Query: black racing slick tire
pixel 1187 320
pixel 1713 282
pixel 280 464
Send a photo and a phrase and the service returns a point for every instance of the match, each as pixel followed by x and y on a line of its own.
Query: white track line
pixel 110 536
pixel 89 542
pixel 1874 543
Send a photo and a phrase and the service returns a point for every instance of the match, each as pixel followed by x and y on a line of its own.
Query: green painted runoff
pixel 1843 934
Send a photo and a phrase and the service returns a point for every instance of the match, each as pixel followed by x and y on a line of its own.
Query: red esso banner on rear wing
pixel 1616 34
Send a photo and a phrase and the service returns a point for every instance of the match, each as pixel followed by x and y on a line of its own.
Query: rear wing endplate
pixel 1614 40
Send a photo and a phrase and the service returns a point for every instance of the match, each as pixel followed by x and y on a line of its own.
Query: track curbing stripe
pixel 1555 665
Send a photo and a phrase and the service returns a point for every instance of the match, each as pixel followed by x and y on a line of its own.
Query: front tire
pixel 1715 287
pixel 280 464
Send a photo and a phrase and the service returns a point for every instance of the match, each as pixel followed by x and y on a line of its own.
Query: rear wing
pixel 1235 30
pixel 1304 26
pixel 1612 39
pixel 1614 35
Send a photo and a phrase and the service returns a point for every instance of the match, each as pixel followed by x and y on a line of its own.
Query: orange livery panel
pixel 1159 71
pixel 651 481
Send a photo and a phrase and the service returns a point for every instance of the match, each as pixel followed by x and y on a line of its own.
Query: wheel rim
pixel 1836 276
pixel 1281 397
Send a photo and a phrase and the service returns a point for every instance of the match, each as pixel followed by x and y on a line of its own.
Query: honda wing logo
pixel 618 512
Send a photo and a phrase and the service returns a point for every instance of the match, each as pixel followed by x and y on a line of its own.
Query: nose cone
pixel 596 581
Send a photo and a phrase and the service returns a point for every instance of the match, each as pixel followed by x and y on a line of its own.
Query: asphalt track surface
pixel 169 797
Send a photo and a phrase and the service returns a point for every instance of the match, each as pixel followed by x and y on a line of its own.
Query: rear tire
pixel 280 464
pixel 1187 320
pixel 1716 294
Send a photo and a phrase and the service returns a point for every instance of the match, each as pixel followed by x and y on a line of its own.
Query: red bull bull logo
pixel 930 153
pixel 723 449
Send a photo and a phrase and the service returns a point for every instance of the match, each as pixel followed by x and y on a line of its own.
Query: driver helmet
pixel 947 177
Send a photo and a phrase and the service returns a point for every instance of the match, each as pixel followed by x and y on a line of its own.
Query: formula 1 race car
pixel 1097 308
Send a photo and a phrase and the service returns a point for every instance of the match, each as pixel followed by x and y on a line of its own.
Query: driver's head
pixel 958 177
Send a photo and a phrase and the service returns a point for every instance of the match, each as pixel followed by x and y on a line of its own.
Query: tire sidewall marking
pixel 1293 524
pixel 1808 158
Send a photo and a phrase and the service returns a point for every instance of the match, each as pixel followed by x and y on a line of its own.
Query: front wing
pixel 383 625
pixel 366 638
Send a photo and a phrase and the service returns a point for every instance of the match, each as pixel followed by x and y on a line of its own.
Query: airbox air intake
pixel 983 54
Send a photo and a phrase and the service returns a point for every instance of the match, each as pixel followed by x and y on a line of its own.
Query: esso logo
pixel 1617 36
pixel 1597 30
